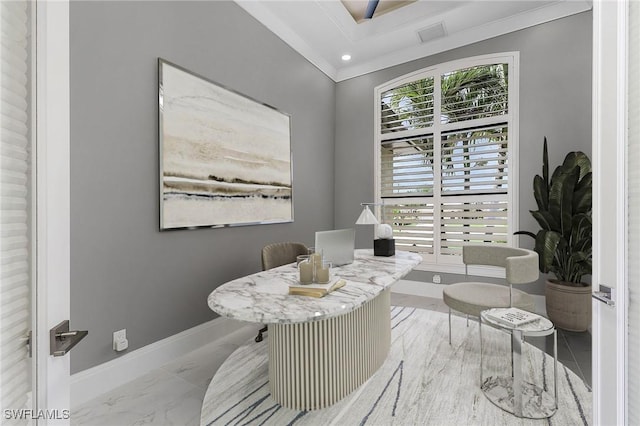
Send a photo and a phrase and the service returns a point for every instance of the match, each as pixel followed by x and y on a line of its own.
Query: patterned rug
pixel 424 381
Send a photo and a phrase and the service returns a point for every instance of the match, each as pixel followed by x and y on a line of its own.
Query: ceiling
pixel 358 8
pixel 324 30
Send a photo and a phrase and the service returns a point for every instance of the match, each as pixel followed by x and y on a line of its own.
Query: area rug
pixel 424 381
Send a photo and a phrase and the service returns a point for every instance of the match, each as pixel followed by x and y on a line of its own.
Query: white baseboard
pixel 426 289
pixel 91 383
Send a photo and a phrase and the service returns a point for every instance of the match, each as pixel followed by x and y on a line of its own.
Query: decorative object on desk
pixel 323 272
pixel 317 289
pixel 315 256
pixel 564 243
pixel 512 316
pixel 225 159
pixel 313 268
pixel 306 270
pixel 385 231
pixel 301 258
pixel 383 243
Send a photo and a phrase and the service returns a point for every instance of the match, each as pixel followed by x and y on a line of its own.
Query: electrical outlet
pixel 436 279
pixel 119 336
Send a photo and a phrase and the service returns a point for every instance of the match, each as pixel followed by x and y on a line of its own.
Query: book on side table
pixel 512 316
pixel 316 290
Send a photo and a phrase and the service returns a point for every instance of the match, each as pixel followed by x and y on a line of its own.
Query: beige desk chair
pixel 278 254
pixel 471 298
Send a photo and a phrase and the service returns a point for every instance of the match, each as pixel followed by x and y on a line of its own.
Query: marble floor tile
pixel 156 398
pixel 199 366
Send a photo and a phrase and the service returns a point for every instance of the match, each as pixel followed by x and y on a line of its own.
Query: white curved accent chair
pixel 471 298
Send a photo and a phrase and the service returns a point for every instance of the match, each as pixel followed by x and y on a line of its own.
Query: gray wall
pixel 555 101
pixel 124 272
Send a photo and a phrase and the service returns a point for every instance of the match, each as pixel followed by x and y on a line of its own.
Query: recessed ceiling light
pixel 346 57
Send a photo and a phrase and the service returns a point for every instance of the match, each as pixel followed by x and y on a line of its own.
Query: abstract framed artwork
pixel 225 159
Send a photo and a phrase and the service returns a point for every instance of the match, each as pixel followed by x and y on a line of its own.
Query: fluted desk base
pixel 313 365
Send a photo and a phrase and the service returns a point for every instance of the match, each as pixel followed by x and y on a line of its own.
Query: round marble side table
pixel 512 393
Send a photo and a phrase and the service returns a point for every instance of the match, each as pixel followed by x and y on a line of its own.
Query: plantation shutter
pixel 475 162
pixel 412 224
pixel 407 107
pixel 15 382
pixel 474 93
pixel 476 219
pixel 444 159
pixel 633 167
pixel 407 167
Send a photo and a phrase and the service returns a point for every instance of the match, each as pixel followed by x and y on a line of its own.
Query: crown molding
pixel 545 13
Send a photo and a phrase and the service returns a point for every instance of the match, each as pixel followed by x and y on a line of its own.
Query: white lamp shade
pixel 366 217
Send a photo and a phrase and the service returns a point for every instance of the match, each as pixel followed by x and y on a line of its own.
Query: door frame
pixel 609 236
pixel 52 195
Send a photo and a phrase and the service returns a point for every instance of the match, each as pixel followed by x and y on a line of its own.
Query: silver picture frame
pixel 225 158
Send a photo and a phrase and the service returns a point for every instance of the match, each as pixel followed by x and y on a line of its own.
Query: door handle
pixel 62 340
pixel 605 295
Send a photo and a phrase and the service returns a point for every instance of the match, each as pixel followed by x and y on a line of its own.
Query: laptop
pixel 337 246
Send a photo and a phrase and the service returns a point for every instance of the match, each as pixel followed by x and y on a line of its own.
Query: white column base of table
pixel 315 364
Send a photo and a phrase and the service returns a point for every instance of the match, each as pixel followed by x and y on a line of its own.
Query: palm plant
pixel 564 243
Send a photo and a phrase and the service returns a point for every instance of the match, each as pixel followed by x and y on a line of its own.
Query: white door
pixel 609 215
pixel 34 170
pixel 15 207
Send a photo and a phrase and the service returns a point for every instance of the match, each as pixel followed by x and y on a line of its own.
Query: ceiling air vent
pixel 432 32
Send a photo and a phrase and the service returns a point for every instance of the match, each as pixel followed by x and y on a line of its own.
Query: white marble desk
pixel 320 349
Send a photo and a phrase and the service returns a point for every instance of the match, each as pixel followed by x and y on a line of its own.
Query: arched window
pixel 446 151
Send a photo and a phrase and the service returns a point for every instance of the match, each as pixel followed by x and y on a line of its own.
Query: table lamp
pixel 383 243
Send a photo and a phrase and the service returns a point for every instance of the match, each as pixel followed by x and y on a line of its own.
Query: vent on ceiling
pixel 432 32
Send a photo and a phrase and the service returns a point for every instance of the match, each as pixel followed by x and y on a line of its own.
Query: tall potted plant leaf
pixel 563 242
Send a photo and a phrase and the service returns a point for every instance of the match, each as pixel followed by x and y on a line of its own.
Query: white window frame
pixel 454 264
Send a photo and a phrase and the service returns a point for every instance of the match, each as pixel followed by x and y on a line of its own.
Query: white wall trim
pixel 609 236
pixel 95 381
pixel 53 265
pixel 426 289
pixel 622 212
